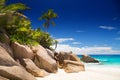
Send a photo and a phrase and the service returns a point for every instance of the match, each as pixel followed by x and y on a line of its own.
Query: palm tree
pixel 12 7
pixel 11 10
pixel 55 42
pixel 10 17
pixel 48 17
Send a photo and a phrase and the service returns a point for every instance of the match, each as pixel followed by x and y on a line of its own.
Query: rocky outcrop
pixel 66 56
pixel 74 57
pixel 7 48
pixel 5 58
pixel 51 53
pixel 2 78
pixel 88 59
pixel 22 51
pixel 4 38
pixel 69 62
pixel 73 66
pixel 10 69
pixel 33 69
pixel 15 73
pixel 61 57
pixel 44 61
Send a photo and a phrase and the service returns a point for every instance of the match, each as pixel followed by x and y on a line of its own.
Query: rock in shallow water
pixel 88 59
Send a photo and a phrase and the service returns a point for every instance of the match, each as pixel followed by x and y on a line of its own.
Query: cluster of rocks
pixel 21 62
pixel 69 62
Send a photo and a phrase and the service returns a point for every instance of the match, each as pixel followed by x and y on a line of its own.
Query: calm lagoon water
pixel 105 60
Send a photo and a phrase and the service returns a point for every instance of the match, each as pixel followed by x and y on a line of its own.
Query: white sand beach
pixel 91 73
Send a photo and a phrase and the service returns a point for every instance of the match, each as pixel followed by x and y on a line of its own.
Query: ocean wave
pixel 103 60
pixel 100 63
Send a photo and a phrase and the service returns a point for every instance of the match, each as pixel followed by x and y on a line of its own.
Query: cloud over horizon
pixel 107 27
pixel 80 31
pixel 87 50
pixel 118 32
pixel 117 38
pixel 60 40
pixel 76 43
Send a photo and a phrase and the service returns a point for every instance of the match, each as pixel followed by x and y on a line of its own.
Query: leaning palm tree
pixel 12 8
pixel 48 17
pixel 9 16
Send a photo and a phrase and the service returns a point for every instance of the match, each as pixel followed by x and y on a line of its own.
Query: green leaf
pixel 53 23
pixel 22 29
pixel 15 7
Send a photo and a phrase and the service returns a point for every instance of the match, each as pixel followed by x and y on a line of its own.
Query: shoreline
pixel 91 73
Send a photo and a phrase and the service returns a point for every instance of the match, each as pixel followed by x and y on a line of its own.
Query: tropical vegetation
pixel 18 27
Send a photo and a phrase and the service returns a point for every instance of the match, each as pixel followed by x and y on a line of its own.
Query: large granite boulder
pixel 88 59
pixel 15 73
pixel 22 51
pixel 73 66
pixel 5 58
pixel 10 69
pixel 61 57
pixel 7 48
pixel 44 61
pixel 2 78
pixel 4 38
pixel 33 69
pixel 51 53
pixel 74 57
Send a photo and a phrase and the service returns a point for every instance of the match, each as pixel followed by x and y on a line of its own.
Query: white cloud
pixel 79 31
pixel 107 27
pixel 86 50
pixel 118 38
pixel 118 32
pixel 60 40
pixel 115 18
pixel 76 43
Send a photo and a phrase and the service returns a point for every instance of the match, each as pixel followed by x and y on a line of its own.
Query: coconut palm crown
pixel 48 17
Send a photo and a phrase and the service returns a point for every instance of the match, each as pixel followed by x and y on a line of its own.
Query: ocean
pixel 105 60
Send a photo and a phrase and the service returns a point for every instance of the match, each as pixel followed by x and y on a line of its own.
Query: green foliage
pixel 18 27
pixel 2 3
pixel 2 38
pixel 12 7
pixel 45 40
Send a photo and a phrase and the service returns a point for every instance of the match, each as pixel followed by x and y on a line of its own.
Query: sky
pixel 82 26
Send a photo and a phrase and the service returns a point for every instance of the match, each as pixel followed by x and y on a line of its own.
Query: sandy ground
pixel 91 73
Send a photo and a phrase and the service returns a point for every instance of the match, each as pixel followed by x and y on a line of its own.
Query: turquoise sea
pixel 105 60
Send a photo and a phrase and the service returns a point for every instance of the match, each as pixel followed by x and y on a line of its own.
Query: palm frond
pixel 15 7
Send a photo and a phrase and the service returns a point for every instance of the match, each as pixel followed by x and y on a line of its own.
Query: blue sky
pixel 83 26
